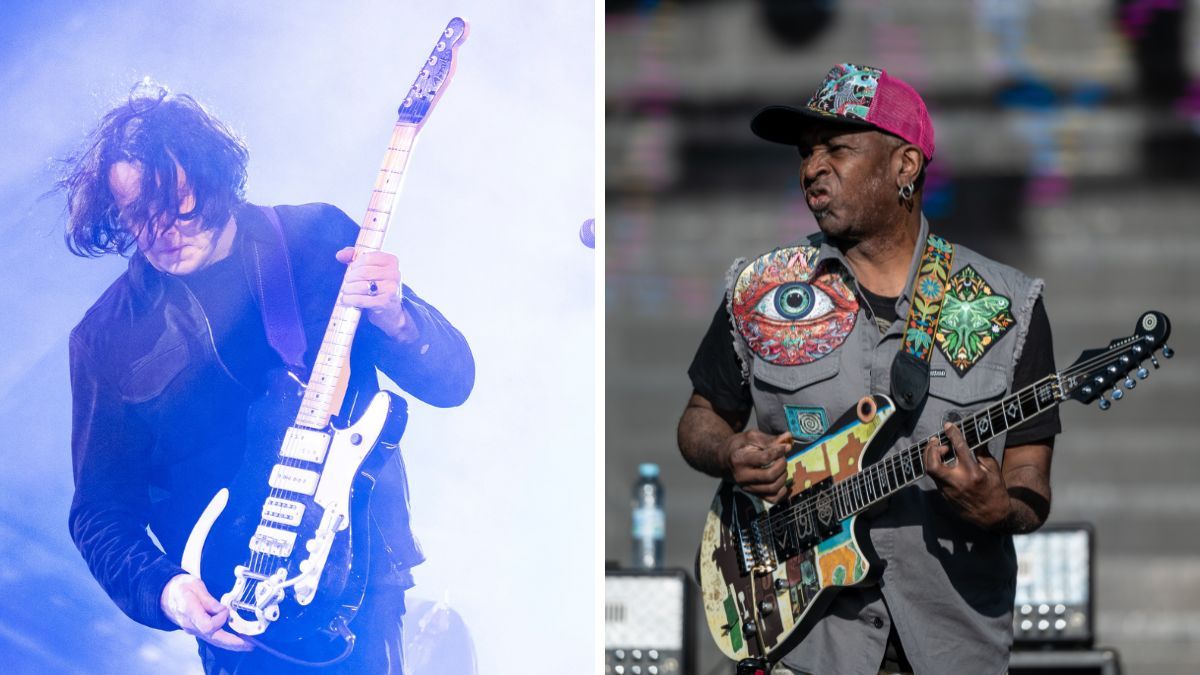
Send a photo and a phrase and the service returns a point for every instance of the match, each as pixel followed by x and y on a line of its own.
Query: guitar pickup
pixel 273 541
pixel 282 511
pixel 294 479
pixel 305 444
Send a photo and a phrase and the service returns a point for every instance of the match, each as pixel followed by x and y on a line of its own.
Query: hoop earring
pixel 906 192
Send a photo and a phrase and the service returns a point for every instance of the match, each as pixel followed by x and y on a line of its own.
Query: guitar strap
pixel 910 368
pixel 280 312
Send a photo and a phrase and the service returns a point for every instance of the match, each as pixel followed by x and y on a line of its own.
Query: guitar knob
pixel 1130 383
pixel 1142 373
pixel 1114 370
pixel 1125 360
pixel 766 607
pixel 1104 403
pixel 1099 380
pixel 750 628
pixel 1167 352
pixel 1117 394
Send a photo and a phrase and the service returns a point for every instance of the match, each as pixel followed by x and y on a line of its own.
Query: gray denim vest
pixel 948 585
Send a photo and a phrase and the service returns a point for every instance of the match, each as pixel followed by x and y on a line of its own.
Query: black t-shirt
pixel 716 370
pixel 236 321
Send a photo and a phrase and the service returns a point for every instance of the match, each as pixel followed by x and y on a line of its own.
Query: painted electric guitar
pixel 768 571
pixel 284 546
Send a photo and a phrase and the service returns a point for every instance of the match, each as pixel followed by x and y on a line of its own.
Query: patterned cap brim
pixel 785 124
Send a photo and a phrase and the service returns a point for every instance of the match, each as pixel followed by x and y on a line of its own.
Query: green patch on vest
pixel 974 318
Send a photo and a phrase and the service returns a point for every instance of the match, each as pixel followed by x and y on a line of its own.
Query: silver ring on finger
pixel 373 289
pixel 767 465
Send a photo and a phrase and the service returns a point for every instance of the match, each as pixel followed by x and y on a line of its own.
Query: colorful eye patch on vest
pixel 789 311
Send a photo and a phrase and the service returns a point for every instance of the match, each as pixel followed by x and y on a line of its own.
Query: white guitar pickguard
pixel 333 492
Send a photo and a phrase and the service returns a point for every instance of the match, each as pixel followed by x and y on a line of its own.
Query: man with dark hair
pixel 808 329
pixel 165 365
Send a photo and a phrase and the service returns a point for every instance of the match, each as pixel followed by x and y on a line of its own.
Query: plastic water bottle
pixel 649 520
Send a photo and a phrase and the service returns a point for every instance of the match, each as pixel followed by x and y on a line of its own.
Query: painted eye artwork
pixel 789 311
pixel 794 301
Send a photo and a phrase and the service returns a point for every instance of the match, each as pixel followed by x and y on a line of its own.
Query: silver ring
pixel 373 289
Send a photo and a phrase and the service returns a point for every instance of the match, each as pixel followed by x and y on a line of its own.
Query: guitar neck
pixel 884 478
pixel 331 374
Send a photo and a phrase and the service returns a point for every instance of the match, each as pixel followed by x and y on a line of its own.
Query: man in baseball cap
pixel 874 304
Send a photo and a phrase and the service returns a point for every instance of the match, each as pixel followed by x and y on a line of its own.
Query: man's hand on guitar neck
pixel 373 283
pixel 187 602
pixel 1014 498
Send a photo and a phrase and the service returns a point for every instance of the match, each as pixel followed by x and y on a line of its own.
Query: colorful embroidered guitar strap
pixel 910 368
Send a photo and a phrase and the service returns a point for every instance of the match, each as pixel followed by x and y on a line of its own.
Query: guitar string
pixel 842 492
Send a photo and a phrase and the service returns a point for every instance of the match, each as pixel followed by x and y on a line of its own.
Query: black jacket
pixel 158 422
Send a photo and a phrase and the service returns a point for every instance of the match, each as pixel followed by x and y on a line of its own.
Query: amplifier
pixel 1054 587
pixel 648 622
pixel 1065 662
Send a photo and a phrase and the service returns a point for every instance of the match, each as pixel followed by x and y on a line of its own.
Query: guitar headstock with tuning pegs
pixel 431 81
pixel 1098 373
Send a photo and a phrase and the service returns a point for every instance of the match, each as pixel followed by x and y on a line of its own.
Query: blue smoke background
pixel 487 230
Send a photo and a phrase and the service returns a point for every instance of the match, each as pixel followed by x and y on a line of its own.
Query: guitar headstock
pixel 434 75
pixel 1098 372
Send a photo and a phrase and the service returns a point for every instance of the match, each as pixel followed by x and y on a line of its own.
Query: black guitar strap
pixel 276 288
pixel 910 368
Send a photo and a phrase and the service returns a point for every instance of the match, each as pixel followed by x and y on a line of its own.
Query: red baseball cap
pixel 857 96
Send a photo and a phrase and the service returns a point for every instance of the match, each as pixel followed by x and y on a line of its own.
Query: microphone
pixel 587 233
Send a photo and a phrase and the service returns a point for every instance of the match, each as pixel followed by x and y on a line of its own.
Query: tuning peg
pixel 1154 361
pixel 1104 403
pixel 1117 394
pixel 1142 373
pixel 1130 383
pixel 1167 352
pixel 1113 369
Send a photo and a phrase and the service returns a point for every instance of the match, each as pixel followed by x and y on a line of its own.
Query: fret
pixel 1012 411
pixel 968 431
pixel 858 492
pixel 372 210
pixel 1029 406
pixel 1045 395
pixel 983 427
pixel 868 487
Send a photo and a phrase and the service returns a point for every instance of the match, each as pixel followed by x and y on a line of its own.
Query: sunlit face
pixel 845 175
pixel 180 247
